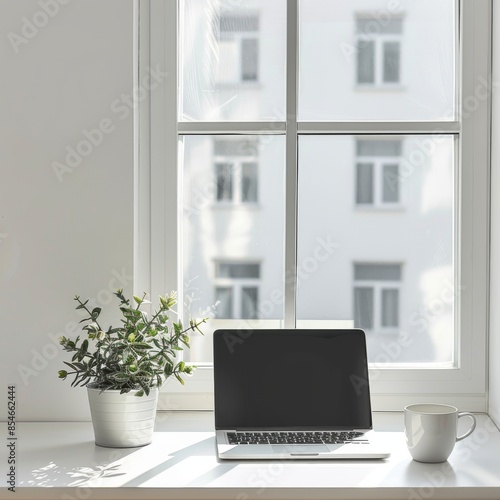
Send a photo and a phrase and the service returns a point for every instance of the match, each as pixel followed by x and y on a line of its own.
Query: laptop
pixel 293 394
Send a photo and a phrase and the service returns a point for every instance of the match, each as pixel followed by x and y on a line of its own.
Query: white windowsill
pixel 60 460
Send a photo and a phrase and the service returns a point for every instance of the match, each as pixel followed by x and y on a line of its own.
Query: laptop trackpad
pixel 297 449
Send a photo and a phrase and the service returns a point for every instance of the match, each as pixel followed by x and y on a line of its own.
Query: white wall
pixel 68 234
pixel 494 381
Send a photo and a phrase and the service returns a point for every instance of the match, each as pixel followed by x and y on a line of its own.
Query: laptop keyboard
pixel 295 437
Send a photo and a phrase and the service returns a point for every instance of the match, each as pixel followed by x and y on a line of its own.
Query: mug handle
pixel 469 432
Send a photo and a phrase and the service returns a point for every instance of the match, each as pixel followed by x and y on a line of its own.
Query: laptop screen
pixel 291 379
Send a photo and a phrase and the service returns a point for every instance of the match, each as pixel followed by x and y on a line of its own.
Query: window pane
pixel 249 302
pixel 236 147
pixel 366 62
pixel 373 25
pixel 391 62
pixel 390 189
pixel 390 307
pixel 363 308
pixel 378 147
pixel 364 183
pixel 377 60
pixel 232 60
pixel 377 272
pixel 249 59
pixel 341 248
pixel 237 23
pixel 224 302
pixel 238 271
pixel 249 183
pixel 227 247
pixel 224 182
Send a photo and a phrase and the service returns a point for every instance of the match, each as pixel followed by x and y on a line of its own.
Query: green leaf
pixel 138 300
pixel 140 345
pixel 120 377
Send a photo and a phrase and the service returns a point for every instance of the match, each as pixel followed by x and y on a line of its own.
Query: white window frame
pixel 158 256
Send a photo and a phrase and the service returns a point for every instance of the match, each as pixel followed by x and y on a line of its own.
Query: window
pixel 322 144
pixel 376 297
pixel 377 172
pixel 378 50
pixel 236 290
pixel 236 171
pixel 238 48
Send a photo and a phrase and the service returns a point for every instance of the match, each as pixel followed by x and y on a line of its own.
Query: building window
pixel 236 171
pixel 236 290
pixel 378 50
pixel 377 289
pixel 238 48
pixel 377 172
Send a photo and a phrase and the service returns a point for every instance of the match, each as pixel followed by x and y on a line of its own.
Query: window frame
pixel 379 40
pixel 236 285
pixel 378 286
pixel 238 37
pixel 236 167
pixel 378 165
pixel 158 257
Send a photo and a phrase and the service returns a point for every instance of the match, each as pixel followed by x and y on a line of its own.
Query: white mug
pixel 431 430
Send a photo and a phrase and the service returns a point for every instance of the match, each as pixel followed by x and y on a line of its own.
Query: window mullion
pixel 379 127
pixel 291 168
pixel 232 128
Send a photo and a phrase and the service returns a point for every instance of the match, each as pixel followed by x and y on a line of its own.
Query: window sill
pixel 58 459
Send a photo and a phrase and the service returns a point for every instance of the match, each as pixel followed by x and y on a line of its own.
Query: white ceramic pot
pixel 122 420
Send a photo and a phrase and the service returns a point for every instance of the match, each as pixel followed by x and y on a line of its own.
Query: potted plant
pixel 124 367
